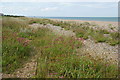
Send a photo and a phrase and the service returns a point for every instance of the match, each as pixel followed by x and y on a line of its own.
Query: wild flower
pixel 46 47
pixel 61 76
pixel 56 39
pixel 61 38
pixel 81 39
pixel 50 73
pixel 15 34
pixel 21 40
pixel 71 41
pixel 72 46
pixel 26 42
pixel 53 73
pixel 3 37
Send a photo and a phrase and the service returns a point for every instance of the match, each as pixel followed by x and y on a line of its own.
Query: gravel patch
pixel 56 29
pixel 101 50
pixel 27 71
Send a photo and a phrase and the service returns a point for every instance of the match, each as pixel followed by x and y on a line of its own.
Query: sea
pixel 109 19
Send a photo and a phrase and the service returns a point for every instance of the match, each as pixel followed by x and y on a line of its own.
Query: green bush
pixel 104 31
pixel 99 37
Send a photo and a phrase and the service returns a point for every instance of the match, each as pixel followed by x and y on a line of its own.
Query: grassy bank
pixel 15 48
pixel 84 30
pixel 56 54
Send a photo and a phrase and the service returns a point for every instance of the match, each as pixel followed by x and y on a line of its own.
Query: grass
pixel 114 38
pixel 82 30
pixel 57 56
pixel 72 66
pixel 59 60
pixel 59 49
pixel 15 49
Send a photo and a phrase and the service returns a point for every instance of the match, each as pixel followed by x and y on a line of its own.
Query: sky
pixel 60 9
pixel 59 0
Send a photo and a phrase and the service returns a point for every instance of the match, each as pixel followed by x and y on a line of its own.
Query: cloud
pixel 93 6
pixel 99 5
pixel 66 4
pixel 59 0
pixel 49 9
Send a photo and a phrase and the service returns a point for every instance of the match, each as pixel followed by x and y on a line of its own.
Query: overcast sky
pixel 59 0
pixel 73 9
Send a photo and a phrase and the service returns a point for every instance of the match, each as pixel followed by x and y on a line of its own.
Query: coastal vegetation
pixel 56 55
pixel 84 30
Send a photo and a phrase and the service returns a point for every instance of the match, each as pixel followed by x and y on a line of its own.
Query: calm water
pixel 112 19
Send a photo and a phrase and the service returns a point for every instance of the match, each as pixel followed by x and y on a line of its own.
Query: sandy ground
pixel 101 24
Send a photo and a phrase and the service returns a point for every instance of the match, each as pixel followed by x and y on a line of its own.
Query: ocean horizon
pixel 109 19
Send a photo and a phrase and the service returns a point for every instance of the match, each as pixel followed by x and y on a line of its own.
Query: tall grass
pixel 59 60
pixel 15 48
pixel 56 55
pixel 83 30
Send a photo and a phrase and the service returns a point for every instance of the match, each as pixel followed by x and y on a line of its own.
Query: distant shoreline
pixel 79 20
pixel 108 19
pixel 101 24
pixel 94 22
